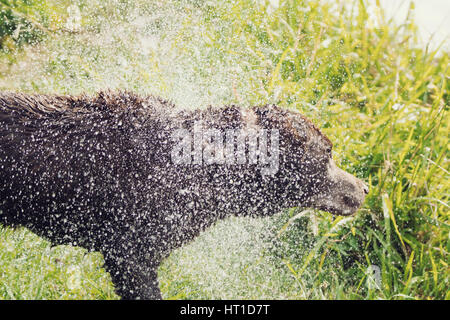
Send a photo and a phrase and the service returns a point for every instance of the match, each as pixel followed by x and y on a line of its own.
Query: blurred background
pixel 431 16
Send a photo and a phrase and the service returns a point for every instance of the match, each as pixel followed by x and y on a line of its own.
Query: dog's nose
pixel 365 188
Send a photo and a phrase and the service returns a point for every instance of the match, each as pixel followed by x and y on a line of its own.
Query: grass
pixel 368 83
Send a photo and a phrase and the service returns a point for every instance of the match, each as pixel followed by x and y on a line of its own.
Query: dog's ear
pixel 270 116
pixel 293 127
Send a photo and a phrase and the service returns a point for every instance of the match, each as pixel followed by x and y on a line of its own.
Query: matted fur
pixel 96 172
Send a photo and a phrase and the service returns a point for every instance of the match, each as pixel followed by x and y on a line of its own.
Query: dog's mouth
pixel 343 196
pixel 342 211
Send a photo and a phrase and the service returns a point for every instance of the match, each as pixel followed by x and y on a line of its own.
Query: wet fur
pixel 95 172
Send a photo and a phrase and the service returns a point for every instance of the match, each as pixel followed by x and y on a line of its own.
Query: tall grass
pixel 368 83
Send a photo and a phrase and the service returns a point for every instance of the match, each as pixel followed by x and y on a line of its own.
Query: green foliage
pixel 366 82
pixel 31 269
pixel 18 24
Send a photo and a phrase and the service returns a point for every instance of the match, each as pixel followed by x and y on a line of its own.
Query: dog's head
pixel 307 172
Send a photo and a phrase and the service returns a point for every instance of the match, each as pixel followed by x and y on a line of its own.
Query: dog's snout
pixel 349 201
pixel 365 188
pixel 346 194
pixel 362 186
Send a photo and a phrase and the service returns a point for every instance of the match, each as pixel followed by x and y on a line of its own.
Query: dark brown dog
pixel 99 172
